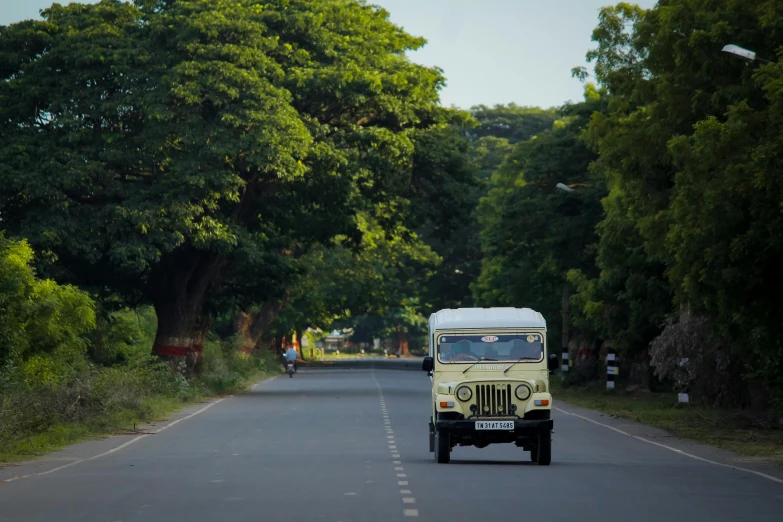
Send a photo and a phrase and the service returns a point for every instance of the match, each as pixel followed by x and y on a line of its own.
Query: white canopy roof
pixel 486 318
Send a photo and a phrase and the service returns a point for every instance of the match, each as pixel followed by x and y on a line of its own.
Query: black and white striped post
pixel 611 369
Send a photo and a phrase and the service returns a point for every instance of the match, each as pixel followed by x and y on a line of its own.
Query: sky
pixel 491 51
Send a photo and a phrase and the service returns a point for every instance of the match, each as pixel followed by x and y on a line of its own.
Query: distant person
pixel 291 355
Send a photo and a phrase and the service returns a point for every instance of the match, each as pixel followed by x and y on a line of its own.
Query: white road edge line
pixel 675 450
pixel 118 448
pixel 132 441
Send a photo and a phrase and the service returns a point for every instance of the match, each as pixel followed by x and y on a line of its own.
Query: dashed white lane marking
pixel 675 450
pixel 118 448
pixel 407 498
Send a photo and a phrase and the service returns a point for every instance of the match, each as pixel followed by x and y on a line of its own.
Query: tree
pixel 357 287
pixel 490 140
pixel 146 145
pixel 532 234
pixel 510 122
pixel 691 201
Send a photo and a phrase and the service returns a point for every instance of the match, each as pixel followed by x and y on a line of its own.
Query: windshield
pixel 454 348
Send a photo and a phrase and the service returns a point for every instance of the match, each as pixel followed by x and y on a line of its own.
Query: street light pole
pixel 566 301
pixel 564 360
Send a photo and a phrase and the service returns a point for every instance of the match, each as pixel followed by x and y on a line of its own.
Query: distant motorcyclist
pixel 291 355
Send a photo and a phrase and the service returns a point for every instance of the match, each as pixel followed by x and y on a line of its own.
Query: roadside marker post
pixel 611 369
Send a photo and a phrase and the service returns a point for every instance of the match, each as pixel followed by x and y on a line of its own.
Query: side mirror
pixel 553 363
pixel 428 364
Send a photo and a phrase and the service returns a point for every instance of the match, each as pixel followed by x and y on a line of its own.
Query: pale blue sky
pixel 492 51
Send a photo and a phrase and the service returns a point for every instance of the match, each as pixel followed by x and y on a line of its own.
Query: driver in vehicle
pixel 462 352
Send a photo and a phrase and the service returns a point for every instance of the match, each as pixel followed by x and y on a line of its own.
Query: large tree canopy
pixel 144 146
pixel 688 151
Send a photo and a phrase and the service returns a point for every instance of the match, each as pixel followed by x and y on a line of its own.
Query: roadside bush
pixel 698 362
pixel 227 368
pixel 39 316
pixel 70 366
pixel 102 398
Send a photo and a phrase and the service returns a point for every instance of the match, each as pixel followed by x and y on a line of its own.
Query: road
pixel 342 445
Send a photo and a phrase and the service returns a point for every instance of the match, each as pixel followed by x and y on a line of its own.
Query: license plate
pixel 494 425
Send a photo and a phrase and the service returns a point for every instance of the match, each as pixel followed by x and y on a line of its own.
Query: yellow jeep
pixel 490 381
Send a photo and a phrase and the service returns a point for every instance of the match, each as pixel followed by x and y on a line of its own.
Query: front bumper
pixel 522 427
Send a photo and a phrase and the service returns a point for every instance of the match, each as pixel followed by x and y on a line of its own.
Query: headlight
pixel 464 394
pixel 522 392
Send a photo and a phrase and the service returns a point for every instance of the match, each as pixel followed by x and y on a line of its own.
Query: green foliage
pixel 688 149
pixel 152 148
pixel 532 234
pixel 39 318
pixel 490 141
pixel 510 122
pixel 67 372
pixel 383 275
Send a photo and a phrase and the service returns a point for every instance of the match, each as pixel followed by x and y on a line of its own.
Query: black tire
pixel 442 447
pixel 432 443
pixel 534 455
pixel 291 375
pixel 544 449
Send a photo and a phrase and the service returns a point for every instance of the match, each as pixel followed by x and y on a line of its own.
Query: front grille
pixel 493 400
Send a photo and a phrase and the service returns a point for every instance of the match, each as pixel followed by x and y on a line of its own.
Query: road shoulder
pixel 691 449
pixel 104 445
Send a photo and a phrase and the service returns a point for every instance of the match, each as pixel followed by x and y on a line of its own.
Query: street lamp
pixel 743 53
pixel 570 188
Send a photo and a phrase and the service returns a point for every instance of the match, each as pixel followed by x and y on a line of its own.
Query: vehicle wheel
pixel 291 375
pixel 432 442
pixel 534 455
pixel 544 449
pixel 442 447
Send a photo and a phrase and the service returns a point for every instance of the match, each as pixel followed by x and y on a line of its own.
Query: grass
pixel 732 430
pixel 154 408
pixel 64 434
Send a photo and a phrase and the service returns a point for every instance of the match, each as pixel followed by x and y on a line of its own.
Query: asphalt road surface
pixel 342 445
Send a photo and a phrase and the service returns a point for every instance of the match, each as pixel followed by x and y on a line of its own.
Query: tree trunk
pixel 299 342
pixel 242 329
pixel 180 335
pixel 178 287
pixel 251 326
pixel 261 320
pixel 402 339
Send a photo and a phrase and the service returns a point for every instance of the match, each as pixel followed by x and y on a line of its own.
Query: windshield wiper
pixel 475 363
pixel 518 361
